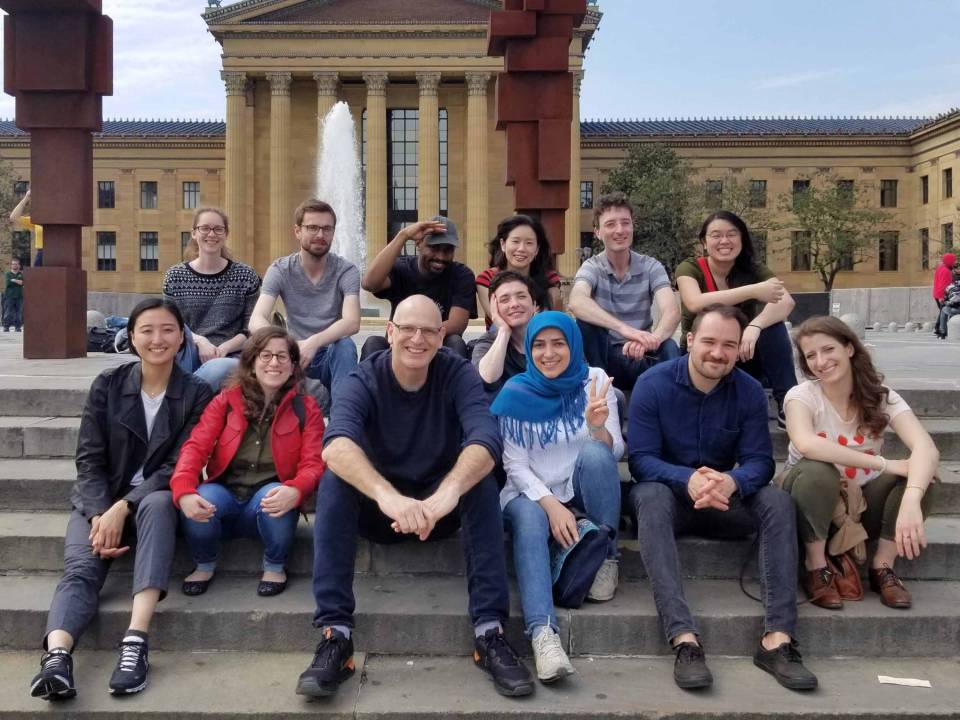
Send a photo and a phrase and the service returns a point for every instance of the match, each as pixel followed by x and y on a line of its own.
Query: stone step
pixel 238 685
pixel 422 615
pixel 33 542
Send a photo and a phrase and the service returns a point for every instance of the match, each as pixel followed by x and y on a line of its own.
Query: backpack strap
pixel 707 275
pixel 300 410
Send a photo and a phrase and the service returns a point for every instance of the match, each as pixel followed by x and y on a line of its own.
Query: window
pixel 20 246
pixel 946 237
pixel 948 183
pixel 799 188
pixel 444 164
pixel 20 188
pixel 191 195
pixel 184 243
pixel 889 251
pixel 758 193
pixel 106 195
pixel 586 195
pixel 845 190
pixel 759 238
pixel 149 252
pixel 925 248
pixel 888 193
pixel 148 195
pixel 106 251
pixel 845 260
pixel 925 189
pixel 714 194
pixel 800 251
pixel 402 169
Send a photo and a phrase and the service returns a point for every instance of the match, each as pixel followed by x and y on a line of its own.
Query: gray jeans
pixel 152 529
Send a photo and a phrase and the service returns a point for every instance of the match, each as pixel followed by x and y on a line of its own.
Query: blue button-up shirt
pixel 675 429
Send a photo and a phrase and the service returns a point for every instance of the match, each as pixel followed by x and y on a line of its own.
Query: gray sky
pixel 686 58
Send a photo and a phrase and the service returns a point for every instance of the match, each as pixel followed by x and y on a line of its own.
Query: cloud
pixel 793 79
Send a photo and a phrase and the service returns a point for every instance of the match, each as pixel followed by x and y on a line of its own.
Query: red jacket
pixel 216 439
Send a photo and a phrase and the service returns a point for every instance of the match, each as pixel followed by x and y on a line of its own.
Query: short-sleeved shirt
pixel 454 287
pixel 514 362
pixel 828 424
pixel 542 284
pixel 751 308
pixel 414 438
pixel 311 307
pixel 12 290
pixel 629 299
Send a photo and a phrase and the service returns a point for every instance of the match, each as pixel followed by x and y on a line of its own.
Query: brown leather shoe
pixel 821 588
pixel 892 592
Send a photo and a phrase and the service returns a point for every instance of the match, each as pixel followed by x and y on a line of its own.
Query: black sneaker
pixel 130 674
pixel 781 419
pixel 784 663
pixel 494 654
pixel 332 664
pixel 690 669
pixel 55 679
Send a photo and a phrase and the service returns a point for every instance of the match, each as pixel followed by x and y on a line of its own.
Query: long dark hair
pixel 255 407
pixel 152 304
pixel 869 393
pixel 542 263
pixel 744 266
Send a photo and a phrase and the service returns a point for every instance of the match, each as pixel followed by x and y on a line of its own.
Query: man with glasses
pixel 409 450
pixel 321 295
pixel 612 298
pixel 432 272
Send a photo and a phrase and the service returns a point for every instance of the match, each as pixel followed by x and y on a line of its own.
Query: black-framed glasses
pixel 218 230
pixel 266 357
pixel 317 229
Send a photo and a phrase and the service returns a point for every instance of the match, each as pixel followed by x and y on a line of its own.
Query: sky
pixel 649 59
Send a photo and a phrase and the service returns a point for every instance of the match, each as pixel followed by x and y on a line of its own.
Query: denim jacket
pixel 675 429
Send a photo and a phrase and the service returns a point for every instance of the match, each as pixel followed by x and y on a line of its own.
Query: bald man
pixel 409 450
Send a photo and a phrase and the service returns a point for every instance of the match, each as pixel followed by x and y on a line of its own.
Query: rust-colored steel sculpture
pixel 58 64
pixel 535 103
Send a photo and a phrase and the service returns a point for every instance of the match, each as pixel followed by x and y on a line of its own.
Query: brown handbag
pixel 846 576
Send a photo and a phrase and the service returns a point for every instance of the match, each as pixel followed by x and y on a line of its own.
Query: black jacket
pixel 113 437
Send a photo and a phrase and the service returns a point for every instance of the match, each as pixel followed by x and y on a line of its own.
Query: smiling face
pixel 550 352
pixel 435 259
pixel 713 348
pixel 15 265
pixel 826 357
pixel 208 241
pixel 273 366
pixel 415 334
pixel 519 248
pixel 315 233
pixel 723 241
pixel 615 229
pixel 514 304
pixel 156 336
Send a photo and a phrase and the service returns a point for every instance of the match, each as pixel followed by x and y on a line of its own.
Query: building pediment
pixel 353 12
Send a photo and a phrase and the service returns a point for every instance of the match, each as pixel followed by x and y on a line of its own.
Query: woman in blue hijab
pixel 562 439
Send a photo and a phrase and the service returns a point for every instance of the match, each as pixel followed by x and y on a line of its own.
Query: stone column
pixel 281 219
pixel 376 161
pixel 477 191
pixel 571 242
pixel 327 84
pixel 236 83
pixel 428 144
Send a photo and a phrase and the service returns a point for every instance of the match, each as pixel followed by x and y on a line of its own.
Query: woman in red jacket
pixel 260 441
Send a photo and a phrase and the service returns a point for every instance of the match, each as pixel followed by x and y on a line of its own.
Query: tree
pixel 838 229
pixel 8 200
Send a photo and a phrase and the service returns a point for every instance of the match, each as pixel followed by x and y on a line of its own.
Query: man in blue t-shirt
pixel 410 450
pixel 432 272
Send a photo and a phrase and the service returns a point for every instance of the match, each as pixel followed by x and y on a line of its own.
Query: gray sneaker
pixel 552 662
pixel 605 583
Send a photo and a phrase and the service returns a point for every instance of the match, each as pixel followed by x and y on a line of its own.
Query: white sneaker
pixel 604 585
pixel 552 662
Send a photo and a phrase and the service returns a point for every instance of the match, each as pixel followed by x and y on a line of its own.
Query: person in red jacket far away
pixel 260 440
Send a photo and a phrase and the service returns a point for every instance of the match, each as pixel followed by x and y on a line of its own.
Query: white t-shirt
pixel 151 406
pixel 828 424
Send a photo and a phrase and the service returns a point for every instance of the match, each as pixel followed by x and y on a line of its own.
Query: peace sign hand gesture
pixel 597 410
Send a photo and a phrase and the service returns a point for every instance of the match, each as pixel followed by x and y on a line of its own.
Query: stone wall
pixel 885 305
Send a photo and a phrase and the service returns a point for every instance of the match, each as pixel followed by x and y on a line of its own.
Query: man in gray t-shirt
pixel 321 295
pixel 613 296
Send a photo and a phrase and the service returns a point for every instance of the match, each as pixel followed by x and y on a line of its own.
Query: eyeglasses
pixel 429 333
pixel 317 229
pixel 266 357
pixel 207 229
pixel 730 235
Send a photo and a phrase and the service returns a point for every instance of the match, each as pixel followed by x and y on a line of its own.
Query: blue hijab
pixel 531 406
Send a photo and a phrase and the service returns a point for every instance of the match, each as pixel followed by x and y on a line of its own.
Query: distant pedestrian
pixel 23 221
pixel 13 297
pixel 943 276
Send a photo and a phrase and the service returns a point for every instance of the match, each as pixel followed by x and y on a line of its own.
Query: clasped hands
pixel 709 488
pixel 417 517
pixel 107 529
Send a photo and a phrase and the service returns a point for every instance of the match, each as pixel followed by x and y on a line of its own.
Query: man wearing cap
pixel 432 272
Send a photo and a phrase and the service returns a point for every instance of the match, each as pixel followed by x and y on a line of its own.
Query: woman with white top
pixel 836 420
pixel 561 443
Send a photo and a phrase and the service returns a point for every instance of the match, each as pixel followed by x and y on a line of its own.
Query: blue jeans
pixel 602 351
pixel 946 312
pixel 662 514
pixel 344 513
pixel 596 492
pixel 332 363
pixel 773 359
pixel 214 372
pixel 235 518
pixel 13 312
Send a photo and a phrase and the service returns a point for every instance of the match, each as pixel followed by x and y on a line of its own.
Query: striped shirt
pixel 629 299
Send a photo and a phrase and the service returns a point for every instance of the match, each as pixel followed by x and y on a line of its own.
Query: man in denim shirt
pixel 701 456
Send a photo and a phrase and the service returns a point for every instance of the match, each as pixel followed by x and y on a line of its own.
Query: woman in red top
pixel 521 245
pixel 260 440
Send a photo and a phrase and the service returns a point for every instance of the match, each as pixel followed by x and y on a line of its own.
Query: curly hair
pixel 869 394
pixel 255 405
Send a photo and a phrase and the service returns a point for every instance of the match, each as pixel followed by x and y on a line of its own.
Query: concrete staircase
pixel 231 653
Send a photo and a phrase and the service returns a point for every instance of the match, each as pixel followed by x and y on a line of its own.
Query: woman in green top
pixel 729 274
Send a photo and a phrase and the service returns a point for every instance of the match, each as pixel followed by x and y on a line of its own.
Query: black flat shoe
pixel 195 587
pixel 266 588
